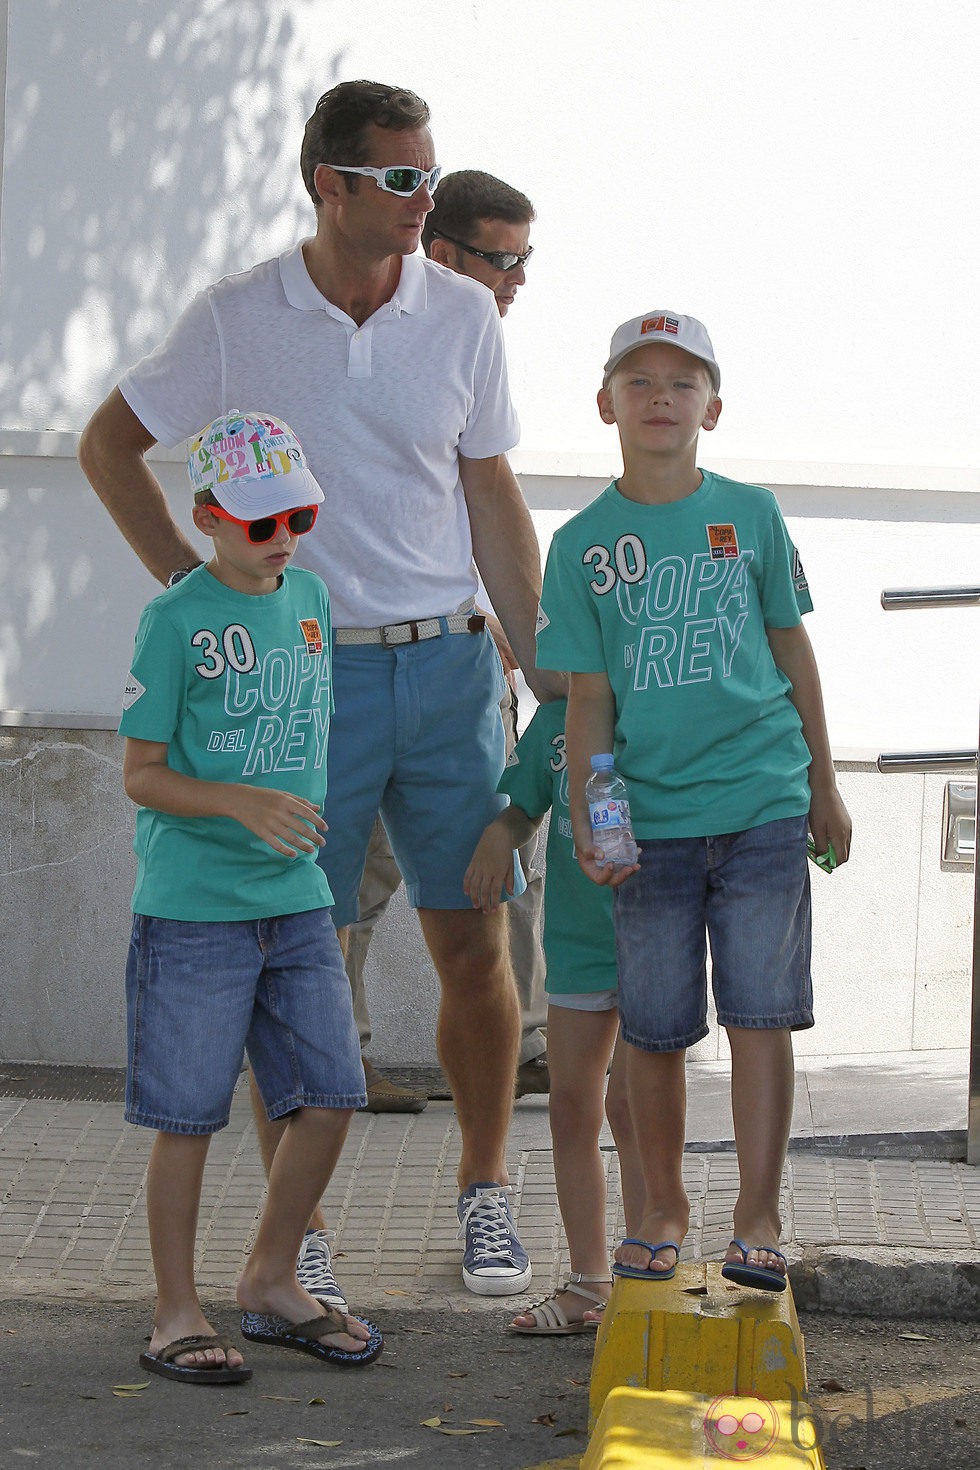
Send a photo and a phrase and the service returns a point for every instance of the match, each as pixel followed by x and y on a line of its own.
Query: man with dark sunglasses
pixel 392 374
pixel 479 227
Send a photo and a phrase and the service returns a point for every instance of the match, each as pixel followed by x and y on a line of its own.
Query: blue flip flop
pixel 763 1278
pixel 644 1273
pixel 303 1337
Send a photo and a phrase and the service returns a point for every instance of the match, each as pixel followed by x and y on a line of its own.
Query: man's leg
pixel 380 881
pixel 477 1039
pixel 656 1081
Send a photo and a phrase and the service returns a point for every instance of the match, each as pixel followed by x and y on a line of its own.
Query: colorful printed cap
pixel 662 326
pixel 253 465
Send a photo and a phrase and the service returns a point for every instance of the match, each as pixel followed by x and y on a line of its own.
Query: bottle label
pixel 608 814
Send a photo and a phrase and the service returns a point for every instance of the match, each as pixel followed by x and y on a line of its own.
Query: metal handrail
pixel 950 760
pixel 928 760
pixel 900 597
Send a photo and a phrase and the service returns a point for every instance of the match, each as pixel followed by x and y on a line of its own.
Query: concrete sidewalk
pixel 880 1213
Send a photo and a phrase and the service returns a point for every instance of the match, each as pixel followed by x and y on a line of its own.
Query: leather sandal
pixel 549 1316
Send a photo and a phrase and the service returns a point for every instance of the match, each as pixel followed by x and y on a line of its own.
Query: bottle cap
pixel 602 762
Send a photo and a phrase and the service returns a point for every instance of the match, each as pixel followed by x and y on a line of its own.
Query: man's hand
pixel 289 824
pixel 491 869
pixel 546 684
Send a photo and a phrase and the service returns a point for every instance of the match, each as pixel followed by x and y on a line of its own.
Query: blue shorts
pixel 199 996
pixel 416 734
pixel 750 893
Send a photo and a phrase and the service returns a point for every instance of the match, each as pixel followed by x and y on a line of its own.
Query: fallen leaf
pixel 833 1385
pixel 915 1337
pixel 548 1419
pixel 420 1331
pixel 280 1398
pixel 444 1429
pixel 501 1395
pixel 457 1375
pixel 311 1402
pixel 695 1291
pixel 430 1423
pixel 573 1429
pixel 324 1444
pixel 235 1413
pixel 487 1423
pixel 577 1382
pixel 130 1387
pixel 395 1291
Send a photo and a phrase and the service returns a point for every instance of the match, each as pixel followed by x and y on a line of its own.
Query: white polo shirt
pixel 382 410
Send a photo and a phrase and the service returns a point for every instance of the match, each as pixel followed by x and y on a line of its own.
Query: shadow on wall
pixel 148 150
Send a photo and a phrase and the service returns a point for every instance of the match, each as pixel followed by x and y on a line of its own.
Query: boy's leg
pixel 656 1084
pixel 173 1196
pixel 762 1110
pixel 579 1045
pixel 304 1161
pixel 624 1132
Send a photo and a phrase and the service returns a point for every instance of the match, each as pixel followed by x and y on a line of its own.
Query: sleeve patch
pixel 542 621
pixel 133 691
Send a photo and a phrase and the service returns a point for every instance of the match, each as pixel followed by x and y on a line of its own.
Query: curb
pixel 887 1283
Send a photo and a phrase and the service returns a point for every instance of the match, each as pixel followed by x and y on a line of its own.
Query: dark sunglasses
pixel 501 260
pixel 297 522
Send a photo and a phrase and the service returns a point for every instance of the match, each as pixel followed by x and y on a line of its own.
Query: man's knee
pixel 469 948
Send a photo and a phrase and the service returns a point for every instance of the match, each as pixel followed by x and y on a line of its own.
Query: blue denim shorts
pixel 200 996
pixel 416 734
pixel 748 894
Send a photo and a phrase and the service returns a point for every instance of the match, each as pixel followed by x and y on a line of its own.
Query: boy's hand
pixel 830 823
pixel 607 875
pixel 287 823
pixel 491 868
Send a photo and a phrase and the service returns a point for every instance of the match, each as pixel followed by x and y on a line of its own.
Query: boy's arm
pixel 589 729
pixel 285 822
pixel 829 820
pixel 492 864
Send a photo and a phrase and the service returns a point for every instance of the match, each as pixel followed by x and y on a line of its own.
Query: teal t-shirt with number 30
pixel 672 602
pixel 238 687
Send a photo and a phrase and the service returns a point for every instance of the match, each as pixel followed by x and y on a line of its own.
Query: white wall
pixel 800 175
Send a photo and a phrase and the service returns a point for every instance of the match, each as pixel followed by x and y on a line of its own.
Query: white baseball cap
pixel 662 326
pixel 253 465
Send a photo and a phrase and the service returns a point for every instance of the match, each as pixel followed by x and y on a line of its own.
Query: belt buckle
pixel 396 643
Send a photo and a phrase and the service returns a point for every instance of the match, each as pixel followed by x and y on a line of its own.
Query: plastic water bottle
pixel 609 812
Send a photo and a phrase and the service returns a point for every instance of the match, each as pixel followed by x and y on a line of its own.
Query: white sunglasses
pixel 397 180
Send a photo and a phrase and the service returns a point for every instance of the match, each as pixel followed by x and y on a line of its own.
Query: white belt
pixel 412 632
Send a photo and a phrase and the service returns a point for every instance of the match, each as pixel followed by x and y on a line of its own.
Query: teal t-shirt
pixel 239 689
pixel 579 943
pixel 672 602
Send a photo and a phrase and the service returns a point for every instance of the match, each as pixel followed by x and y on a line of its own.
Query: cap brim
pixel 249 499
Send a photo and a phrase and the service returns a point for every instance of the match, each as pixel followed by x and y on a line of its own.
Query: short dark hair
pixel 335 130
pixel 468 196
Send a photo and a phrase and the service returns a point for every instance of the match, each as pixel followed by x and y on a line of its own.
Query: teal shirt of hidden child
pixel 239 688
pixel 579 942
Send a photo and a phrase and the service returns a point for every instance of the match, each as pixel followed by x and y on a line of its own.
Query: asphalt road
pixel 887 1396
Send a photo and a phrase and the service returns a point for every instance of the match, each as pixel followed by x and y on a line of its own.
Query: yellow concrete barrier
pixel 698 1334
pixel 638 1430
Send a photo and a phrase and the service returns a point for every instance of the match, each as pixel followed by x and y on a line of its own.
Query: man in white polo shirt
pixel 391 372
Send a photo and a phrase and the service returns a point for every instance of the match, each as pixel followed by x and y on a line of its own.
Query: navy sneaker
pixel 314 1269
pixel 494 1261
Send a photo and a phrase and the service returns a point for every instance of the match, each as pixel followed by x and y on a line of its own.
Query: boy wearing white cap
pixel 233 950
pixel 676 599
